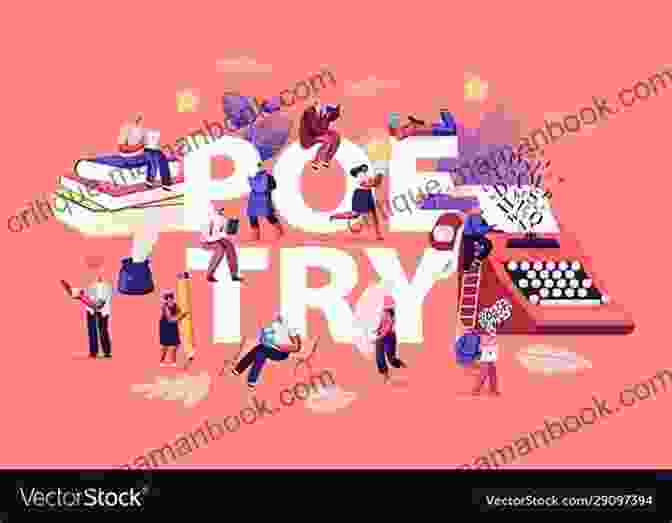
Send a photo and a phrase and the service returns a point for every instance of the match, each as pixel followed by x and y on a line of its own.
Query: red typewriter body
pixel 558 310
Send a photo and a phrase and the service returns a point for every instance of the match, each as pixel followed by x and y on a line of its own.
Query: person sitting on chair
pixel 268 348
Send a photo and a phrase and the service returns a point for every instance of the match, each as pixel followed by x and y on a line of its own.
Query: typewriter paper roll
pixel 186 325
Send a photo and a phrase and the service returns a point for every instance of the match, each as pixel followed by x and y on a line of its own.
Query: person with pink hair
pixel 386 341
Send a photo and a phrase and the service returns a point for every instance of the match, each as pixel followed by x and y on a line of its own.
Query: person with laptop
pixel 272 345
pixel 214 237
pixel 138 148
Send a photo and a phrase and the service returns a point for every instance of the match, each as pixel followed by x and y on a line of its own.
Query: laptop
pixel 152 139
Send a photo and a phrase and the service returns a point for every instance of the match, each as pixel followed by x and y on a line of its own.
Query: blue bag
pixel 135 278
pixel 468 348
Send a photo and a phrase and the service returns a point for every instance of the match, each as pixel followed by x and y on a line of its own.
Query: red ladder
pixel 468 307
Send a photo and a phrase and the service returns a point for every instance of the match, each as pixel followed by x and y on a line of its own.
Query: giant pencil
pixel 186 325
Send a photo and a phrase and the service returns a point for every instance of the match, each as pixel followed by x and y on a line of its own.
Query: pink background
pixel 73 74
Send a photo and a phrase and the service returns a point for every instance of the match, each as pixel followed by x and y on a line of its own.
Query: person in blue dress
pixel 169 334
pixel 260 202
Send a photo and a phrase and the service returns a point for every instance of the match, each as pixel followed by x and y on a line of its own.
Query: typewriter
pixel 537 265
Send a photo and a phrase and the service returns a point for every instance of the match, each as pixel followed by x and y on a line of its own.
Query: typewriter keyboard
pixel 546 282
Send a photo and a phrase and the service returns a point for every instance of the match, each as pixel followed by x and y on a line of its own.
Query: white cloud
pixel 329 399
pixel 188 389
pixel 540 359
pixel 242 64
pixel 370 86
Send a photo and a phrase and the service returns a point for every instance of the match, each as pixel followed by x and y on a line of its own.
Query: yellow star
pixel 187 102
pixel 475 89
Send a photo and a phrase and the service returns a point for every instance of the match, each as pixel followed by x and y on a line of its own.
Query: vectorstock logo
pixel 90 497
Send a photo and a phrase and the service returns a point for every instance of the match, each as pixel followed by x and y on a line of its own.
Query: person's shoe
pixel 235 372
pixel 149 185
pixel 94 356
pixel 166 188
pixel 250 387
pixel 211 279
pixel 163 364
pixel 495 393
pixel 108 355
pixel 315 166
pixel 324 165
pixel 237 278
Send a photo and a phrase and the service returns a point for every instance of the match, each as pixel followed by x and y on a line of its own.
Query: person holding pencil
pixel 169 333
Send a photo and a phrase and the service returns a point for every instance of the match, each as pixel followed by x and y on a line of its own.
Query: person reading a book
pixel 363 202
pixel 214 237
pixel 315 129
pixel 260 202
pixel 138 148
pixel 416 127
pixel 386 341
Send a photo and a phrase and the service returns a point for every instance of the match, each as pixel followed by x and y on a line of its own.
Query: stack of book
pixel 102 188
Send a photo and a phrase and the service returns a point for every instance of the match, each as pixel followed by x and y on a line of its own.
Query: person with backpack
pixel 260 202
